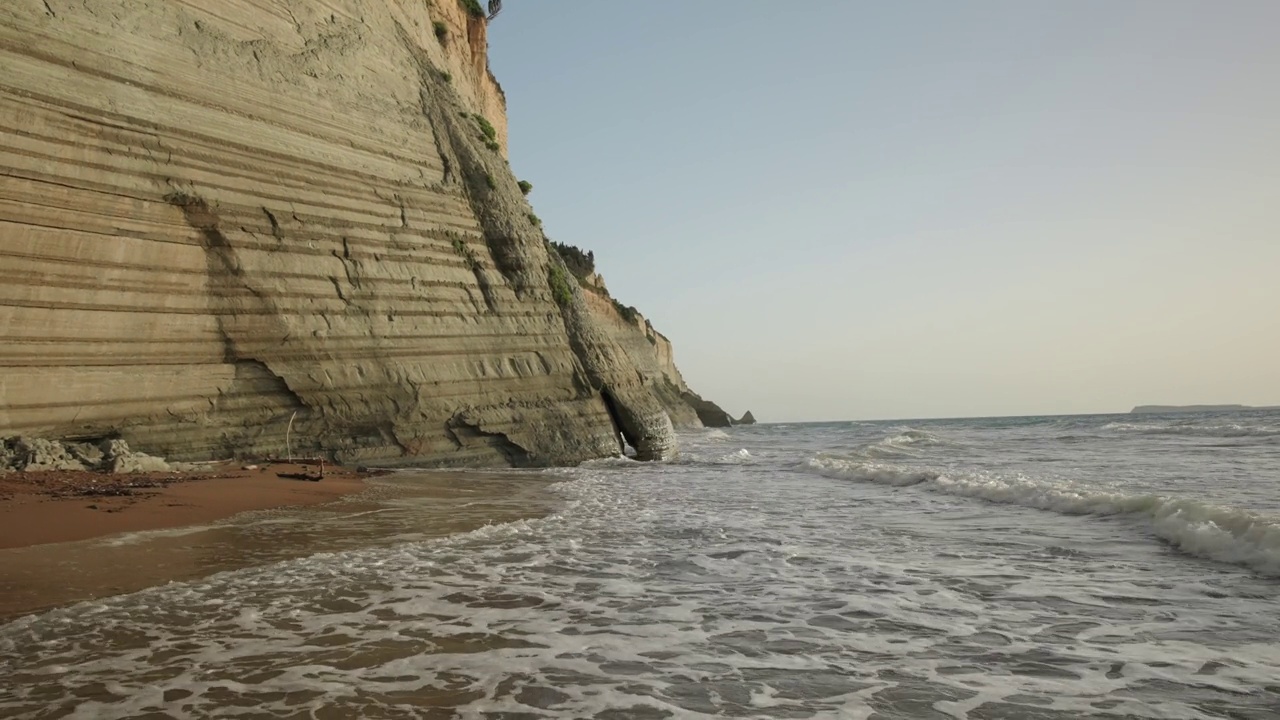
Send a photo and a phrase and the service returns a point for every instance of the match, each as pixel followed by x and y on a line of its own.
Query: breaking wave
pixel 737 457
pixel 1217 532
pixel 903 443
pixel 1227 430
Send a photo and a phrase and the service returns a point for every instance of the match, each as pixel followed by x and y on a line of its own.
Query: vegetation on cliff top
pixel 473 7
pixel 583 265
pixel 628 312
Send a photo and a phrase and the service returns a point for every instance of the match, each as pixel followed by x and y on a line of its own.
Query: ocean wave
pixel 711 456
pixel 904 442
pixel 1228 430
pixel 1217 532
pixel 607 462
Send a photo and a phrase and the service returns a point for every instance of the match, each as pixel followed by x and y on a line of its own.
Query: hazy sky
pixel 853 210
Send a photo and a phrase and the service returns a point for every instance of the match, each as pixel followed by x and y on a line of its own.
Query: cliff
pixel 651 353
pixel 217 222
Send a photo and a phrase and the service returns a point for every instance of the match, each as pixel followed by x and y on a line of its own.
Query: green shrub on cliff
pixel 473 7
pixel 441 30
pixel 488 133
pixel 486 127
pixel 461 247
pixel 559 285
pixel 525 186
pixel 182 199
pixel 537 221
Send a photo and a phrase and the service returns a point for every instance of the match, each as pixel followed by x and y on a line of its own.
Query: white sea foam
pixel 141 536
pixel 905 435
pixel 1223 533
pixel 727 584
pixel 714 455
pixel 1196 429
pixel 616 461
pixel 612 610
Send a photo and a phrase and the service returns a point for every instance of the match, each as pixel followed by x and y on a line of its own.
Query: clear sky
pixel 855 210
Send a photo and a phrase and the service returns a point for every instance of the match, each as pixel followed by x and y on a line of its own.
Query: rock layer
pixel 218 223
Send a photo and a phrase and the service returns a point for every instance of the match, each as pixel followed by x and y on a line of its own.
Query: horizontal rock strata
pixel 218 224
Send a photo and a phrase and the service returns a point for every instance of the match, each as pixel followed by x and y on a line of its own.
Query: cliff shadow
pixel 255 407
pixel 626 438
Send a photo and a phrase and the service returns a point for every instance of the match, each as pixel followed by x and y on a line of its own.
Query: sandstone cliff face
pixel 647 351
pixel 213 221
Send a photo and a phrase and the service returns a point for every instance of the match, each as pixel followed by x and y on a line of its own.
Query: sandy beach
pixel 72 537
pixel 64 506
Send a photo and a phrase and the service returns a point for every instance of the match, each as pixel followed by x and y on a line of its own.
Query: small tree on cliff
pixel 580 263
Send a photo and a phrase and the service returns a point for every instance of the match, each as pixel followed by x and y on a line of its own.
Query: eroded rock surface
pixel 220 221
pixel 38 454
pixel 645 349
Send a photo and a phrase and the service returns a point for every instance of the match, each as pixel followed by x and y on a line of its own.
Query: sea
pixel 1110 566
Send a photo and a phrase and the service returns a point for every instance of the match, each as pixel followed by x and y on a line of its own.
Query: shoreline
pixel 50 506
pixel 229 519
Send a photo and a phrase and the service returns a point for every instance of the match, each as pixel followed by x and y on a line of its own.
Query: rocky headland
pixel 1165 409
pixel 224 223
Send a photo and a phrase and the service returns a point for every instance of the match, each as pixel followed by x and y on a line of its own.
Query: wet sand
pixel 194 528
pixel 59 506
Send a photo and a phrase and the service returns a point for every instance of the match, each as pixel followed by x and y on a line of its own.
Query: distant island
pixel 1159 409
